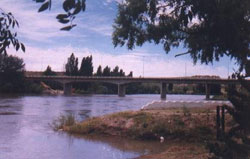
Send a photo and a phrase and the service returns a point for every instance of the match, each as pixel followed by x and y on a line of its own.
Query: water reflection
pixel 127 145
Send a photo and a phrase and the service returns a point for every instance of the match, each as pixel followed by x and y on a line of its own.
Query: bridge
pixel 123 81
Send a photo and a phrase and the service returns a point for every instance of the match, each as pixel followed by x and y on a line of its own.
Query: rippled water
pixel 25 132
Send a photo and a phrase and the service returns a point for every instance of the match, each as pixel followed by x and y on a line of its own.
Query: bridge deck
pixel 124 80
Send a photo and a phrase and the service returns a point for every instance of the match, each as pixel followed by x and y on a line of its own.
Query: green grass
pixel 63 121
pixel 146 125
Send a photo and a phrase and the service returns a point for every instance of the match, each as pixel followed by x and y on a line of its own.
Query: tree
pixel 208 29
pixel 130 74
pixel 71 9
pixel 86 68
pixel 8 22
pixel 7 35
pixel 106 71
pixel 121 73
pixel 49 72
pixel 72 66
pixel 99 71
pixel 11 73
pixel 11 64
pixel 115 71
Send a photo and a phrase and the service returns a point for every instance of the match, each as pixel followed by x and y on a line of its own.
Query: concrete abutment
pixel 163 91
pixel 207 91
pixel 67 88
pixel 121 90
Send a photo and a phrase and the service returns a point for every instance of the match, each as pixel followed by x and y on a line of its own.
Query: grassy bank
pixel 195 123
pixel 188 130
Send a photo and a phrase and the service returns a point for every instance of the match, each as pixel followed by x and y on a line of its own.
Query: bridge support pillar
pixel 163 91
pixel 207 91
pixel 121 90
pixel 67 88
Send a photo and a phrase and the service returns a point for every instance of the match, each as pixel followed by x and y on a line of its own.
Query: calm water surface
pixel 25 132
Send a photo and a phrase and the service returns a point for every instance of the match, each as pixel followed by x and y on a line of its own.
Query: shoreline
pixel 193 127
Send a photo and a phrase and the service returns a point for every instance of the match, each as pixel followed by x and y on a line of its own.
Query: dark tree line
pixel 71 66
pixel 49 72
pixel 12 79
pixel 116 72
pixel 87 69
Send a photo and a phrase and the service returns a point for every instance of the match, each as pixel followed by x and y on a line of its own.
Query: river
pixel 25 131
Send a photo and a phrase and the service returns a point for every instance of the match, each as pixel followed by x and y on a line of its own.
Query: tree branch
pixel 188 52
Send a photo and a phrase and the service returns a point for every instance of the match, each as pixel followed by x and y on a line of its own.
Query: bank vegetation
pixel 190 132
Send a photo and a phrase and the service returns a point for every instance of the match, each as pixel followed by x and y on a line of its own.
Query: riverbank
pixel 187 130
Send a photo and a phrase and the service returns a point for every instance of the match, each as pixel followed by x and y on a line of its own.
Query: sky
pixel 47 45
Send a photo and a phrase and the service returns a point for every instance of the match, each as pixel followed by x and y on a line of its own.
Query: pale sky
pixel 47 45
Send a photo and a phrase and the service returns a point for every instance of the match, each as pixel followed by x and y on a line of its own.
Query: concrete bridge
pixel 123 81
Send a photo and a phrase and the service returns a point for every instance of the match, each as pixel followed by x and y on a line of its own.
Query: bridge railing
pixel 126 77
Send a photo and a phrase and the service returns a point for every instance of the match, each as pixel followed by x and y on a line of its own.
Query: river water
pixel 25 132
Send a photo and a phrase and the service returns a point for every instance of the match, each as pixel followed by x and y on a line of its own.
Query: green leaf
pixel 83 5
pixel 17 46
pixel 22 47
pixel 44 7
pixel 65 5
pixel 68 4
pixel 17 23
pixel 10 21
pixel 13 24
pixel 61 16
pixel 64 21
pixel 78 8
pixel 68 28
pixel 40 1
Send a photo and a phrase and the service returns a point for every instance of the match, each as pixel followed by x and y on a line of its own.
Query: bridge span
pixel 123 81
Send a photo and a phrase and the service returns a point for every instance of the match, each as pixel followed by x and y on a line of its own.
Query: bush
pixel 62 121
